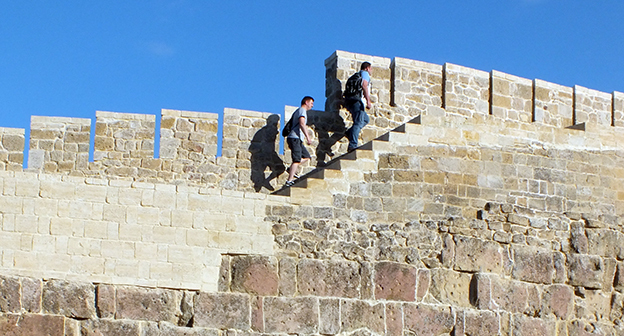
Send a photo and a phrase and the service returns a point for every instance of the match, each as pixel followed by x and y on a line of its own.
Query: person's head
pixel 308 102
pixel 366 66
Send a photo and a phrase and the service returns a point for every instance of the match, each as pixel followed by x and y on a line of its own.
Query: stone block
pixel 223 311
pixel 357 314
pixel 148 304
pixel 10 295
pixel 424 281
pixel 395 281
pixel 478 323
pixel 105 301
pixel 558 300
pixel 533 265
pixel 618 282
pixel 450 287
pixel 31 295
pixel 424 319
pixel 329 278
pixel 71 299
pixel 225 274
pixel 329 313
pixel 606 243
pixel 105 327
pixel 509 295
pixel 586 270
pixel 257 313
pixel 476 255
pixel 168 329
pixel 522 325
pixel 254 275
pixel 31 325
pixel 394 319
pixel 287 277
pixel 291 315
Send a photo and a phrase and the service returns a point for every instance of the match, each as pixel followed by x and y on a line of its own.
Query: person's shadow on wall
pixel 324 123
pixel 263 155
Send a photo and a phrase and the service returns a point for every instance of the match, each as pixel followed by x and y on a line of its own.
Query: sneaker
pixel 289 183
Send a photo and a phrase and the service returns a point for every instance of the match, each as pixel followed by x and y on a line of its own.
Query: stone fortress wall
pixel 481 204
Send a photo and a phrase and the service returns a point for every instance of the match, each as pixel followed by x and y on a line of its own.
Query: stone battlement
pixel 466 106
pixel 479 204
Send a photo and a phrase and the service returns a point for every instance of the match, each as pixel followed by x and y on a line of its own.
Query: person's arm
pixel 304 129
pixel 369 105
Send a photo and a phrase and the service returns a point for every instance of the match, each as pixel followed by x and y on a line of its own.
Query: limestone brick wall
pixel 125 232
pixel 11 148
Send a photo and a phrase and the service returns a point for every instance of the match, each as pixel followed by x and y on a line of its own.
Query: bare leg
pixel 294 168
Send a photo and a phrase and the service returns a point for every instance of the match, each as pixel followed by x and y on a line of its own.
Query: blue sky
pixel 71 58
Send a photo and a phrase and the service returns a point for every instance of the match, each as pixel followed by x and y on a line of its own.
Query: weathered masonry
pixel 480 204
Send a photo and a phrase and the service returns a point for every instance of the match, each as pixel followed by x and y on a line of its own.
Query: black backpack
pixel 288 126
pixel 353 89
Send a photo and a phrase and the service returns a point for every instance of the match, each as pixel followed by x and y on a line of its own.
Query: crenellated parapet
pixel 11 148
pixel 59 144
pixel 239 149
pixel 470 106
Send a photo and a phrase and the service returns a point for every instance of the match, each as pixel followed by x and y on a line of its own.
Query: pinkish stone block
pixel 395 281
pixel 394 319
pixel 149 304
pixel 523 325
pixel 558 300
pixel 291 315
pixel 255 275
pixel 329 278
pixel 222 311
pixel 31 325
pixel 424 319
pixel 31 295
pixel 10 295
pixel 105 301
pixel 356 314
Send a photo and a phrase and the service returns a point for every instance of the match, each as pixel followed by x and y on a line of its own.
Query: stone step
pixel 333 177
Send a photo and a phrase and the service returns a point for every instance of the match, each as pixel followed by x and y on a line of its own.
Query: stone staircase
pixel 335 176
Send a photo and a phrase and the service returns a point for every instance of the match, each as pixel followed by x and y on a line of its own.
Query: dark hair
pixel 365 65
pixel 305 99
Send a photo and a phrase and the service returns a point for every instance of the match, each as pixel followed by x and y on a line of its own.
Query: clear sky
pixel 73 57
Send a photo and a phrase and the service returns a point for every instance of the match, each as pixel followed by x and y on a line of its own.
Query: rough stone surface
pixel 558 300
pixel 254 275
pixel 329 312
pixel 525 326
pixel 357 314
pixel 31 295
pixel 287 277
pixel 473 255
pixel 105 297
pixel 222 310
pixel 291 315
pixel 69 299
pixel 422 319
pixel 586 270
pixel 395 282
pixel 450 287
pixel 31 325
pixel 340 279
pixel 107 327
pixel 168 329
pixel 148 304
pixel 10 295
pixel 479 323
pixel 533 265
